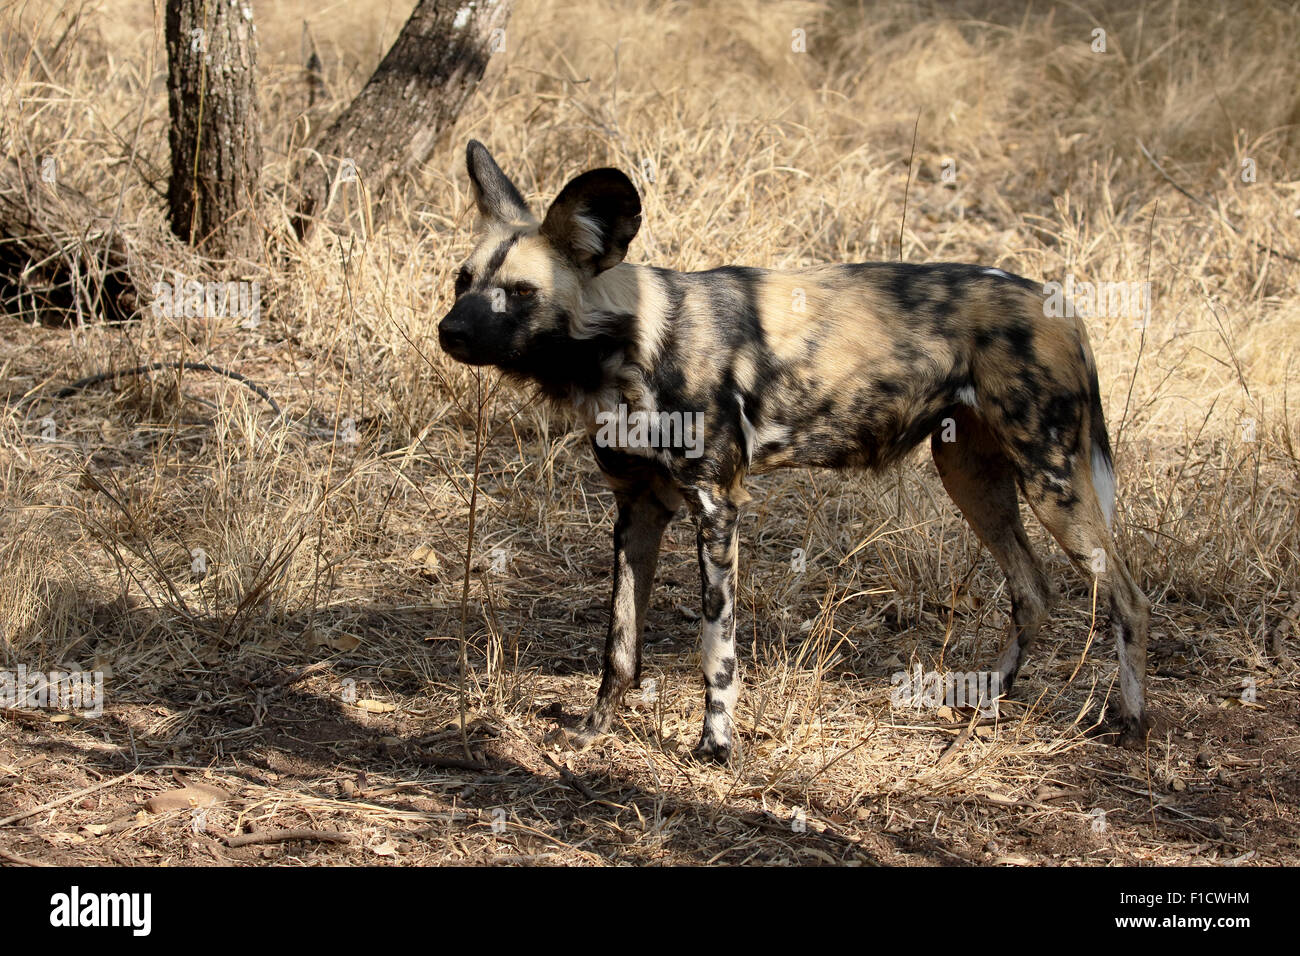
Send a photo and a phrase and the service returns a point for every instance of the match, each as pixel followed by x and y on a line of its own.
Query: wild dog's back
pixel 852 365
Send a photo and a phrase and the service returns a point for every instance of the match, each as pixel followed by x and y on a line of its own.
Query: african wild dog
pixel 836 366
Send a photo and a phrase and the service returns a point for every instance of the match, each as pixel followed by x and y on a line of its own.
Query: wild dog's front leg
pixel 642 518
pixel 717 521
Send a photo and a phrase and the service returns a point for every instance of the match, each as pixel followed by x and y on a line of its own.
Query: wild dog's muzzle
pixel 472 332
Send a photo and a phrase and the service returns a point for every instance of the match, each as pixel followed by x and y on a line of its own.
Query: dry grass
pixel 746 152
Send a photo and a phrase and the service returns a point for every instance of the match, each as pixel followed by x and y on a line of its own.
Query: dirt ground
pixel 363 746
pixel 1220 786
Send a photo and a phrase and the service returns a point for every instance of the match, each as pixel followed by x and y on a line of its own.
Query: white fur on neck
pixel 623 290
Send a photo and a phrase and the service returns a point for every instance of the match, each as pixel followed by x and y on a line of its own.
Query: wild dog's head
pixel 519 295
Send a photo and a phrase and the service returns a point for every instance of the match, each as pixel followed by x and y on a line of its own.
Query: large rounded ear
pixel 594 218
pixel 494 193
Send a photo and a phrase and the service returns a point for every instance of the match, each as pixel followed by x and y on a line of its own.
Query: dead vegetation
pixel 313 671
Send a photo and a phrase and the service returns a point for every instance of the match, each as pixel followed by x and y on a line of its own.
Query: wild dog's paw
pixel 1133 732
pixel 711 750
pixel 572 738
pixel 582 734
pixel 1128 732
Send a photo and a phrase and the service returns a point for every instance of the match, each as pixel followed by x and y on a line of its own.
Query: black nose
pixel 453 335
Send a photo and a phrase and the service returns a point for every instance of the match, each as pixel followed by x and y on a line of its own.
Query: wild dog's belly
pixel 867 420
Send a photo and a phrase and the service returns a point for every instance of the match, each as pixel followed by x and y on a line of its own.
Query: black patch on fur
pixel 733 298
pixel 561 364
pixel 1019 336
pixel 714 601
pixel 498 256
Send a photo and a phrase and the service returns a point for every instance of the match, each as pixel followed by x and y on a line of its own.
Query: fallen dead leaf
pixel 344 642
pixel 335 642
pixel 188 797
pixel 426 558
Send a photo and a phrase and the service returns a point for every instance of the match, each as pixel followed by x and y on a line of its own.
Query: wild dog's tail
pixel 1103 466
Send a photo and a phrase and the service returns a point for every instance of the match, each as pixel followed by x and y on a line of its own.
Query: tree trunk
pixel 216 138
pixel 415 94
pixel 61 257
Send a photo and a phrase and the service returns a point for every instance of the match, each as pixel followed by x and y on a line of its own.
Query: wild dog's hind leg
pixel 1067 505
pixel 717 520
pixel 646 505
pixel 982 482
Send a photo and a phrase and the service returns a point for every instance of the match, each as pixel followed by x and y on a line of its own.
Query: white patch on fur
pixel 625 616
pixel 1103 482
pixel 623 290
pixel 717 575
pixel 1130 681
pixel 773 437
pixel 628 289
pixel 996 272
pixel 966 395
pixel 1008 662
pixel 748 430
pixel 626 388
pixel 587 234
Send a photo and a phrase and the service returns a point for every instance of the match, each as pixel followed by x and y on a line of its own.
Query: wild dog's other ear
pixel 594 218
pixel 494 193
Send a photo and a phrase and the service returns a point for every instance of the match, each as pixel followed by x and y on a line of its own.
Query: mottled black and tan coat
pixel 836 366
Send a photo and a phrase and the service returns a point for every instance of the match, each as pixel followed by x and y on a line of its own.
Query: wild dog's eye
pixel 524 291
pixel 463 279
